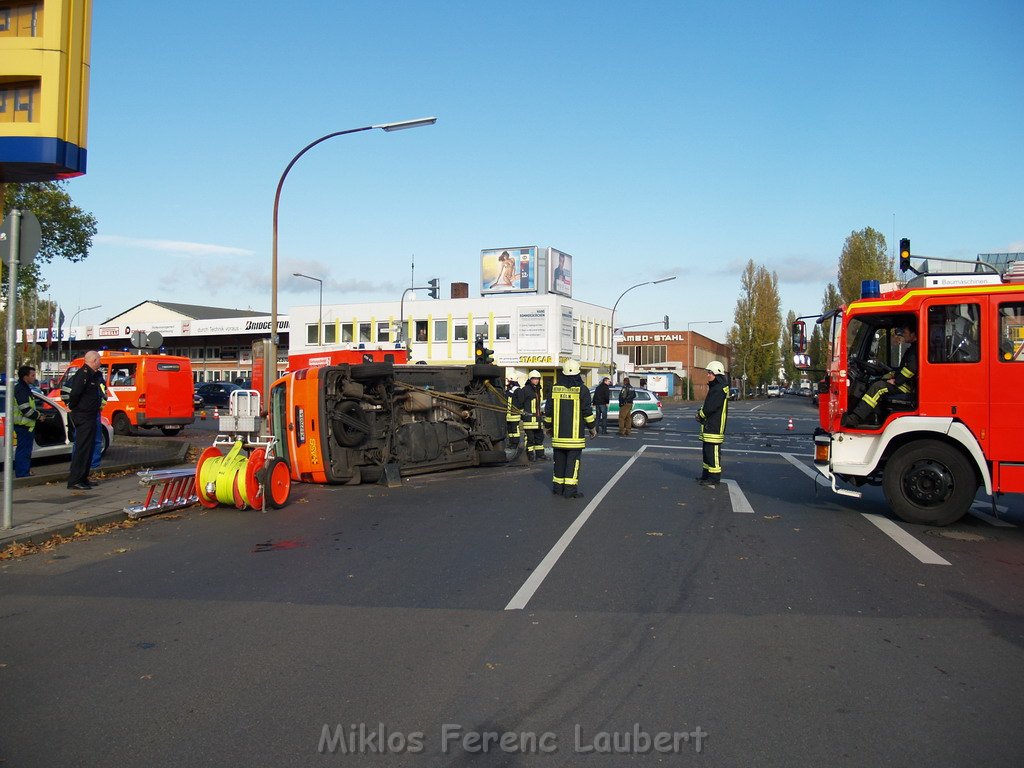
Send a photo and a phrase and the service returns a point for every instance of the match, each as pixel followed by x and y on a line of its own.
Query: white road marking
pixel 532 584
pixel 816 476
pixel 737 499
pixel 905 540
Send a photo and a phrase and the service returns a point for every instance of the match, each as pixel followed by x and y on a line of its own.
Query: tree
pixel 66 233
pixel 863 258
pixel 757 324
pixel 792 374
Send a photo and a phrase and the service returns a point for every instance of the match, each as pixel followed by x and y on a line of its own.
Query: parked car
pixel 774 390
pixel 55 435
pixel 646 407
pixel 197 401
pixel 216 392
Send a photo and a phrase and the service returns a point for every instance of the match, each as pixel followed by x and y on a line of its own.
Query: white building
pixel 525 330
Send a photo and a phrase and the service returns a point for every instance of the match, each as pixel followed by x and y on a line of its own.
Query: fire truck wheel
pixel 121 424
pixel 279 483
pixel 348 424
pixel 367 371
pixel 929 482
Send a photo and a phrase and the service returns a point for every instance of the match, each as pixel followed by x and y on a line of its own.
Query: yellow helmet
pixel 571 367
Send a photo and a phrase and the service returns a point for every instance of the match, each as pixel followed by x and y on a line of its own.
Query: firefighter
pixel 712 417
pixel 26 416
pixel 567 412
pixel 530 398
pixel 903 380
pixel 513 417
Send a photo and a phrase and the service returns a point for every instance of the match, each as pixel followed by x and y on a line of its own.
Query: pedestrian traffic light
pixel 435 288
pixel 904 254
pixel 484 356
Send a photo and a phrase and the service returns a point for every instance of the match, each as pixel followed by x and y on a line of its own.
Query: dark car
pixel 216 392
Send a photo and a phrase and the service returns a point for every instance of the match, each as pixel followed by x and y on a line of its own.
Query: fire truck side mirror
pixel 799 333
pixel 904 254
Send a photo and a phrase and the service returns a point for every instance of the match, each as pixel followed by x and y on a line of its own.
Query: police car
pixel 646 406
pixel 55 435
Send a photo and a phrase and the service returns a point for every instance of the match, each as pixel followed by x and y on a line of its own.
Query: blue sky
pixel 647 139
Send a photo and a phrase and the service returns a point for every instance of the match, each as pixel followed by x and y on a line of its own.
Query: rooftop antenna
pixel 412 272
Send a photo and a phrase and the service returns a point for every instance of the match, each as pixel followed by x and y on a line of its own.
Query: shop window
pixel 1011 333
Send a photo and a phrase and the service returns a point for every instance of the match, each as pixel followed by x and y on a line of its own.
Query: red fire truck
pixel 960 427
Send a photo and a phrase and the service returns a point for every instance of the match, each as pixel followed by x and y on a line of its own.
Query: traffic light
pixel 666 322
pixel 435 288
pixel 904 254
pixel 483 356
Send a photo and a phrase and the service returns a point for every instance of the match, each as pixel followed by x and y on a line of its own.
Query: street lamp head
pixel 664 279
pixel 401 126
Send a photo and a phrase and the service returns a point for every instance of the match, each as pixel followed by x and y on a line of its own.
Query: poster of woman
pixel 508 270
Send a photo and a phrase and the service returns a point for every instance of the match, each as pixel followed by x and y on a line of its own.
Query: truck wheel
pixel 368 371
pixel 929 482
pixel 170 431
pixel 639 419
pixel 121 424
pixel 349 425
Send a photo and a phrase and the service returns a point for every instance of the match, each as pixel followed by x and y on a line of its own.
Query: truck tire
pixel 929 482
pixel 482 371
pixel 368 371
pixel 121 423
pixel 349 425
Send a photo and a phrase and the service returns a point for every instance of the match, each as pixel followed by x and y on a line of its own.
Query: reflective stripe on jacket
pixel 568 413
pixel 25 415
pixel 714 412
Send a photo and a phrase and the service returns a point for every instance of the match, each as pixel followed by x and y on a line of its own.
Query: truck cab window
pixel 954 333
pixel 1011 333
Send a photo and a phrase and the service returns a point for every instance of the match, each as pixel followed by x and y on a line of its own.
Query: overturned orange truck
pixel 371 421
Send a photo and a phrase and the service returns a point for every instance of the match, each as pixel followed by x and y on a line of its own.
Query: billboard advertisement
pixel 508 270
pixel 560 280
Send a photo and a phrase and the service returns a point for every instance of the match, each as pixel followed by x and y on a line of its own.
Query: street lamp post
pixel 270 367
pixel 71 325
pixel 320 316
pixel 611 358
pixel 691 352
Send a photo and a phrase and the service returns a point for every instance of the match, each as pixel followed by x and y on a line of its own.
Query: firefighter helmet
pixel 534 374
pixel 716 368
pixel 571 367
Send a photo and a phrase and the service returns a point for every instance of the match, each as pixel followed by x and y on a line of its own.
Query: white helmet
pixel 716 368
pixel 571 367
pixel 534 374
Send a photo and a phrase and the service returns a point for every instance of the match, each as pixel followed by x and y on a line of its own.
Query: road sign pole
pixel 12 296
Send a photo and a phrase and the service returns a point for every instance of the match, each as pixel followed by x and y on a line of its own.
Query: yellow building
pixel 44 89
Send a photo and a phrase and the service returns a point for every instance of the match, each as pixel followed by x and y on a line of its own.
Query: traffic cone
pixel 216 413
pixel 790 427
pixel 202 415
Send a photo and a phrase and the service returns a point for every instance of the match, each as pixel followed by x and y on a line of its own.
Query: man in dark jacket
pixel 26 416
pixel 85 402
pixel 901 381
pixel 567 412
pixel 530 397
pixel 626 397
pixel 602 397
pixel 712 417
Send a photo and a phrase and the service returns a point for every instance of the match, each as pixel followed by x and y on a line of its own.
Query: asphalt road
pixel 765 623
